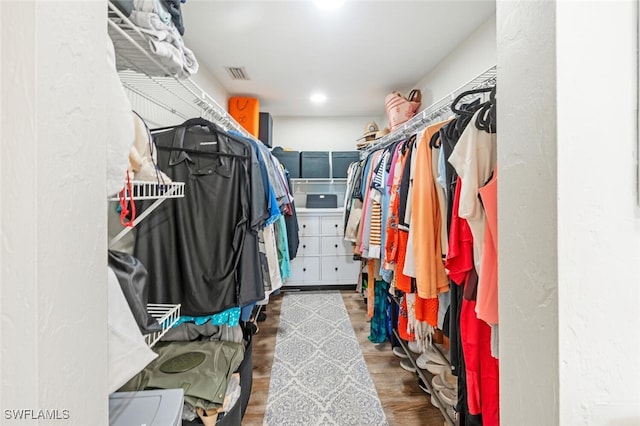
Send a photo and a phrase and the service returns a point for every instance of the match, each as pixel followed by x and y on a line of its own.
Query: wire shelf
pixel 152 191
pixel 167 315
pixel 434 111
pixel 161 97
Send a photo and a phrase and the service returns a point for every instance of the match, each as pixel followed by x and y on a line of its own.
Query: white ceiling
pixel 356 54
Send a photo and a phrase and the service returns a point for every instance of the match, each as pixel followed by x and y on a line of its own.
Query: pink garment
pixel 487 300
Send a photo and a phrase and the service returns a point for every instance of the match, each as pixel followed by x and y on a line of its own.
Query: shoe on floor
pixel 434 368
pixel 448 396
pixel 406 365
pixel 438 383
pixel 399 352
pixel 424 387
pixel 449 379
pixel 413 347
pixel 439 352
pixel 421 361
pixel 261 317
pixel 436 357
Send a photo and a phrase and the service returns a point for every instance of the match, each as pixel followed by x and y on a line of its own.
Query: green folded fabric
pixel 201 368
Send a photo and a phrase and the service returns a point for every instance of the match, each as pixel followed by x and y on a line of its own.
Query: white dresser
pixel 324 257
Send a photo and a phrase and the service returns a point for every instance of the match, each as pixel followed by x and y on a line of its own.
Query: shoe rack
pixel 449 415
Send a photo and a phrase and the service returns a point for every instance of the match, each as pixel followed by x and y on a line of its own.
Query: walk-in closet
pixel 319 212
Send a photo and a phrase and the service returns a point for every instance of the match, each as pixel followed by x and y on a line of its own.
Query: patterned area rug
pixel 319 376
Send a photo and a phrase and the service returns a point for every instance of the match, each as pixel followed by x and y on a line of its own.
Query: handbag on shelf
pixel 400 109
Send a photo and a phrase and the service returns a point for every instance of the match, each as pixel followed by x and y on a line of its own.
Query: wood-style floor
pixel 404 403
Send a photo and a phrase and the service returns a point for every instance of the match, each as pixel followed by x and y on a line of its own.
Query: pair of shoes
pixel 399 352
pixel 413 347
pixel 441 353
pixel 430 357
pixel 449 380
pixel 423 386
pixel 448 396
pixel 406 365
pixel 434 368
pixel 439 382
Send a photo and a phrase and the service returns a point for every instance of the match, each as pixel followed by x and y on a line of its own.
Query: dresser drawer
pixel 340 269
pixel 335 246
pixel 308 226
pixel 332 226
pixel 309 246
pixel 305 269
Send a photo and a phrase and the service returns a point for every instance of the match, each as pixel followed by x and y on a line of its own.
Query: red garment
pixel 481 368
pixel 460 254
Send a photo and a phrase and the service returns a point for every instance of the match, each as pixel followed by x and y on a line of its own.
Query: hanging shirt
pixel 460 254
pixel 392 242
pixel 474 158
pixel 487 303
pixel 431 278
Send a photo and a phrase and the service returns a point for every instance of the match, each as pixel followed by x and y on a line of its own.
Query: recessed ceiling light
pixel 318 98
pixel 328 4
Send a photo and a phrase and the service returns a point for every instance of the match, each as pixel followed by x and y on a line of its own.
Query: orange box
pixel 246 111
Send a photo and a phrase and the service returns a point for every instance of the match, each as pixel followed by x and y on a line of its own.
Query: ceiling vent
pixel 238 73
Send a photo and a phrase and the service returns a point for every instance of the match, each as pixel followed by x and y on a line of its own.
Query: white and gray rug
pixel 319 376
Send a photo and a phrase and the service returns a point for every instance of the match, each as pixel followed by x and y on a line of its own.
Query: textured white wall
pixel 475 55
pixel 599 228
pixel 211 86
pixel 472 57
pixel 528 220
pixel 319 134
pixel 53 217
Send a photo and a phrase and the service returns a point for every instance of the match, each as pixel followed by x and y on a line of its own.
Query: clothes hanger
pixel 213 127
pixel 454 104
pixel 486 119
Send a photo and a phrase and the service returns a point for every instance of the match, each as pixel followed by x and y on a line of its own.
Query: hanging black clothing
pixel 291 223
pixel 403 192
pixel 193 246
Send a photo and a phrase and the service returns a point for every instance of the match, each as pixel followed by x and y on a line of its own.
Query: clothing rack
pixel 164 100
pixel 431 113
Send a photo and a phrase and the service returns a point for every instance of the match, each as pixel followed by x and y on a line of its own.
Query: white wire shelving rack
pixel 161 99
pixel 431 113
pixel 167 315
pixel 147 191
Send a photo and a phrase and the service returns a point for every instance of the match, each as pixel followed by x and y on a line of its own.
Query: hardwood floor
pixel 404 403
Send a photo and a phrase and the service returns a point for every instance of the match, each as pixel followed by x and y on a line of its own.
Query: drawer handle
pixel 304 269
pixel 304 226
pixel 336 246
pixel 304 246
pixel 336 268
pixel 336 225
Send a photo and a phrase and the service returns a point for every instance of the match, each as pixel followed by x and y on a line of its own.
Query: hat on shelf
pixel 370 130
pixel 381 133
pixel 372 133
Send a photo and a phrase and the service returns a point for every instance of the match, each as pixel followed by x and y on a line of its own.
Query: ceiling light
pixel 318 98
pixel 328 4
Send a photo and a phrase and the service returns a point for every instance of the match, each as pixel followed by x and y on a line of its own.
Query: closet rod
pixel 205 102
pixel 200 152
pixel 429 114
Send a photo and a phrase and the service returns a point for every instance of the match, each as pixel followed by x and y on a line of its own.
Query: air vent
pixel 238 73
